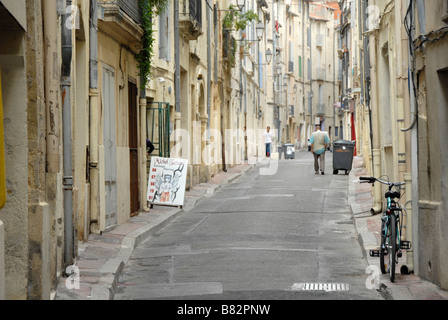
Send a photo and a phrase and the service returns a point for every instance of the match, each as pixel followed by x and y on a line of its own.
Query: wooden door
pixel 133 149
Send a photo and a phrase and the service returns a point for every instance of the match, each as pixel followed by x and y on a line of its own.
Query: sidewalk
pixel 368 226
pixel 102 258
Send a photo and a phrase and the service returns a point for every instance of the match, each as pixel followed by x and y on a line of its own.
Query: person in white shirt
pixel 319 143
pixel 268 141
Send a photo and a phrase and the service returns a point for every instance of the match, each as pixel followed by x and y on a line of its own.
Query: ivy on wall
pixel 149 9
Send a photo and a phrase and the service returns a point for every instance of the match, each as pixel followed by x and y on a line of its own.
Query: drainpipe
pixel 177 58
pixel 367 81
pixel 401 82
pixel 66 35
pixel 52 85
pixel 413 127
pixel 94 119
pixel 209 71
pixel 377 198
pixel 400 85
pixel 409 267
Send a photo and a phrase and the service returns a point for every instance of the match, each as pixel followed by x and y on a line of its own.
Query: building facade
pixel 213 91
pixel 400 114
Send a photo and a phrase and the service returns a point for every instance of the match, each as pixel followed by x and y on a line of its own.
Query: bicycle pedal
pixel 405 245
pixel 399 254
pixel 374 253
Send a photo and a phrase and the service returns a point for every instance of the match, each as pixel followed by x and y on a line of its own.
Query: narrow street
pixel 284 236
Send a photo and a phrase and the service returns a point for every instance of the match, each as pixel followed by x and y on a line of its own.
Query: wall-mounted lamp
pixel 240 5
pixel 268 56
pixel 278 69
pixel 260 30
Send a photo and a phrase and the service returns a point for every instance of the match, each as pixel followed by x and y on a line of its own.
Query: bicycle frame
pixel 392 207
pixel 394 210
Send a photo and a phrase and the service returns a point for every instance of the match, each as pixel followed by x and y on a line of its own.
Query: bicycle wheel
pixel 393 248
pixel 384 249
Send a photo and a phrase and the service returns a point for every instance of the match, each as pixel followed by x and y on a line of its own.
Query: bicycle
pixel 391 228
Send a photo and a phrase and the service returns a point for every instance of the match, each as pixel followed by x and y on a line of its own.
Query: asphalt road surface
pixel 285 236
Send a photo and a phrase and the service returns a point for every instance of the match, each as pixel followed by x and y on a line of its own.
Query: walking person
pixel 319 143
pixel 268 141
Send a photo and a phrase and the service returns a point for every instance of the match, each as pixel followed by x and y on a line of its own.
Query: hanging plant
pixel 239 21
pixel 235 20
pixel 149 9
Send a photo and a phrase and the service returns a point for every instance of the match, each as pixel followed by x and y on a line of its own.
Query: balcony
pixel 290 66
pixel 190 19
pixel 291 111
pixel 320 40
pixel 320 74
pixel 320 110
pixel 228 49
pixel 122 20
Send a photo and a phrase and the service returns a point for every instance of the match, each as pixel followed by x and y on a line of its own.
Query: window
pixel 300 66
pixel 309 37
pixel 309 69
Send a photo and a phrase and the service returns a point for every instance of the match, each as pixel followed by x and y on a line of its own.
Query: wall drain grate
pixel 327 287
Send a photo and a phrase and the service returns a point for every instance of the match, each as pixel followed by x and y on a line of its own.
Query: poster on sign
pixel 167 180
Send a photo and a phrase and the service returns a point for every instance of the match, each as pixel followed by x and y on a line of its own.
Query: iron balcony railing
pixel 129 7
pixel 193 9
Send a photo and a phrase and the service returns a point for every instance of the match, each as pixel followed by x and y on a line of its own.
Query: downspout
pixel 401 81
pixel 94 119
pixel 66 35
pixel 303 137
pixel 363 89
pixel 367 81
pixel 413 127
pixel 313 123
pixel 52 86
pixel 377 199
pixel 274 61
pixel 177 64
pixel 209 72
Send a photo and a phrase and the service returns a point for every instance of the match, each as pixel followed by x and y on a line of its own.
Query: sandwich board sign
pixel 167 181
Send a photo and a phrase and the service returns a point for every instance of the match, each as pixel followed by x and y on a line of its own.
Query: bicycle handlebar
pixel 367 179
pixel 373 180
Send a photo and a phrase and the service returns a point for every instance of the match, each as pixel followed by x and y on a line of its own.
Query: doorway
pixel 133 149
pixel 110 145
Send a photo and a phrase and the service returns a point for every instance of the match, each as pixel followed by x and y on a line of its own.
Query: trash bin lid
pixel 344 142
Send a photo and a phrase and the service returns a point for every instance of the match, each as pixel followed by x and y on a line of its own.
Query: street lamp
pixel 260 30
pixel 268 55
pixel 278 69
pixel 240 4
